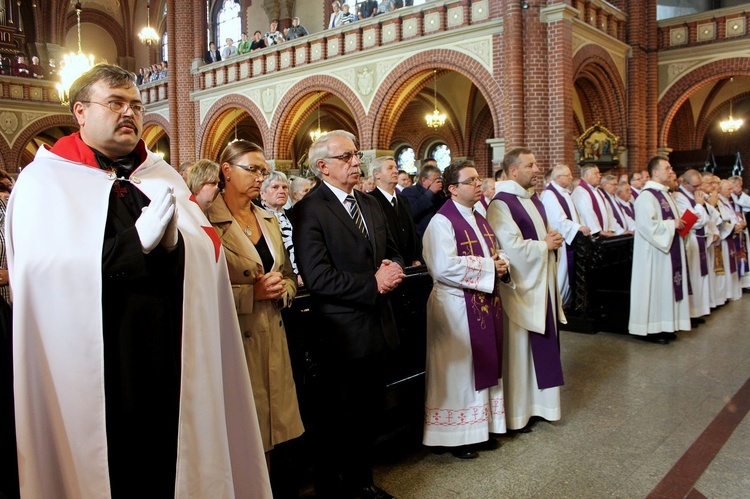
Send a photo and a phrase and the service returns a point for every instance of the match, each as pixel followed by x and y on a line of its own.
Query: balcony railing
pixel 406 24
pixel 721 25
pixel 29 90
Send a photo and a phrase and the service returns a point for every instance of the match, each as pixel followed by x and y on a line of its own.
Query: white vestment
pixel 714 220
pixel 534 272
pixel 567 227
pixel 742 206
pixel 700 300
pixel 55 226
pixel 653 308
pixel 455 412
pixel 615 207
pixel 630 221
pixel 729 282
pixel 582 200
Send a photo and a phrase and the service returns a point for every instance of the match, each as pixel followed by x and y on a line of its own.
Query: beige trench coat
pixel 263 334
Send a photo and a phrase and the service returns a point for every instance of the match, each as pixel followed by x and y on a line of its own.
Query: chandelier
pixel 731 125
pixel 235 128
pixel 148 35
pixel 73 65
pixel 316 134
pixel 436 119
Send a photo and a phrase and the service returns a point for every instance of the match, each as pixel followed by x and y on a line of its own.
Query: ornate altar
pixel 598 146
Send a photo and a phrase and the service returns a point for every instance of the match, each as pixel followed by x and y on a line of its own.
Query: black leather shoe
pixel 464 452
pixel 490 444
pixel 372 492
pixel 697 321
pixel 670 336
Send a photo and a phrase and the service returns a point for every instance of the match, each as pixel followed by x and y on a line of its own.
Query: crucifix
pixel 469 242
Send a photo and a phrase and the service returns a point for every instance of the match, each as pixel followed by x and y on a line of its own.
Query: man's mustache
pixel 129 123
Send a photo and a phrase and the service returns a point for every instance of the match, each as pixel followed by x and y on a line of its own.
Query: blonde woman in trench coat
pixel 252 240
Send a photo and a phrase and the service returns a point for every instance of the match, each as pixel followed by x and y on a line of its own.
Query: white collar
pixel 387 194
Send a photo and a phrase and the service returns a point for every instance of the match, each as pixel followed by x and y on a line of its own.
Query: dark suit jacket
pixel 402 226
pixel 207 58
pixel 338 266
pixel 424 204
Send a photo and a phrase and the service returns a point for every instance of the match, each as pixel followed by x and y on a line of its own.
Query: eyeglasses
pixel 347 156
pixel 119 107
pixel 255 170
pixel 469 181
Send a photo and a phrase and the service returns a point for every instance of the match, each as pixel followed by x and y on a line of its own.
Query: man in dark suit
pixel 349 262
pixel 396 209
pixel 212 55
pixel 426 195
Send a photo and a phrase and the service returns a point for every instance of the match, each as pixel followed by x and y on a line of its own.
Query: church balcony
pixel 154 93
pixel 603 16
pixel 706 28
pixel 392 33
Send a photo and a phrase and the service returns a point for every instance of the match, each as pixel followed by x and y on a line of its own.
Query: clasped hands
pixel 501 264
pixel 269 286
pixel 158 222
pixel 554 240
pixel 389 275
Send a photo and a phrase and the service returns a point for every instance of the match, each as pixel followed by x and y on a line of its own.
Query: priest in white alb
pixel 563 217
pixel 591 205
pixel 731 232
pixel 690 197
pixel 464 400
pixel 658 287
pixel 532 367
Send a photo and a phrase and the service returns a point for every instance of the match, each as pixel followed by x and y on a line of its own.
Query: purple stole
pixel 594 202
pixel 635 193
pixel 701 236
pixel 627 209
pixel 545 348
pixel 614 211
pixel 674 250
pixel 732 244
pixel 740 245
pixel 484 202
pixel 483 310
pixel 569 252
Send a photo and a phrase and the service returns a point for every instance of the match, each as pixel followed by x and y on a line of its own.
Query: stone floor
pixel 630 411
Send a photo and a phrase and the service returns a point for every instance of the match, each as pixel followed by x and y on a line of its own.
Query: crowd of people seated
pixel 152 73
pixel 19 66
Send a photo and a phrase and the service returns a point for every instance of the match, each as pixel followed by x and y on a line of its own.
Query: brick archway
pixel 33 129
pixel 381 125
pixel 594 71
pixel 284 129
pixel 209 130
pixel 157 119
pixel 688 84
pixel 5 154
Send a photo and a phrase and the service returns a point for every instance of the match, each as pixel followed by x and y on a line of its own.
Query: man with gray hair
pixel 591 206
pixel 741 204
pixel 608 189
pixel 396 209
pixel 350 263
pixel 563 217
pixel 488 192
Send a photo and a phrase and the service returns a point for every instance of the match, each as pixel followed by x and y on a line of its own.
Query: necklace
pixel 248 231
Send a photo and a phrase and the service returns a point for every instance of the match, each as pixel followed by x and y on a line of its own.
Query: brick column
pixel 559 80
pixel 181 24
pixel 510 74
pixel 642 83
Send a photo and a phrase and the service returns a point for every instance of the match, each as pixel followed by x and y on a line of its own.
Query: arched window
pixel 164 56
pixel 228 23
pixel 440 153
pixel 405 159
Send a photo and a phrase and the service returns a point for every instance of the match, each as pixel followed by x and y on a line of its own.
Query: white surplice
pixel 714 220
pixel 534 272
pixel 729 282
pixel 455 413
pixel 653 308
pixel 742 206
pixel 700 300
pixel 567 227
pixel 582 200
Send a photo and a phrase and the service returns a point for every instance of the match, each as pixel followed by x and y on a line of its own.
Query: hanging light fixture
pixel 731 125
pixel 235 128
pixel 148 35
pixel 436 119
pixel 73 65
pixel 316 134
